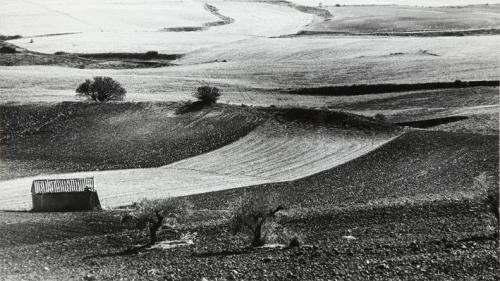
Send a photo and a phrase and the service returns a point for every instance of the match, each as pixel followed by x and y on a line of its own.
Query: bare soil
pixel 83 136
pixel 411 206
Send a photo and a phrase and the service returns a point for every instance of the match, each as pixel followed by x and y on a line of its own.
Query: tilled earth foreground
pixel 439 240
pixel 410 210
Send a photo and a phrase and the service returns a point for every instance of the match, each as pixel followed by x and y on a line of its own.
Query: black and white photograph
pixel 221 140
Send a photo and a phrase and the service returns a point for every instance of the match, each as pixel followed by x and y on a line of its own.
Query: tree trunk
pixel 152 234
pixel 257 236
pixel 153 228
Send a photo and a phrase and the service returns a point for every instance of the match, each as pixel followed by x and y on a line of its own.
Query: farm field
pixel 372 126
pixel 418 166
pixel 49 17
pixel 479 105
pixel 260 66
pixel 266 20
pixel 425 3
pixel 389 213
pixel 77 137
pixel 298 149
pixel 390 19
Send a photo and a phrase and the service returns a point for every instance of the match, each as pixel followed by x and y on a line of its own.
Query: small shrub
pixel 59 53
pixel 251 213
pixel 380 117
pixel 151 54
pixel 207 94
pixel 294 242
pixel 101 89
pixel 153 214
pixel 7 50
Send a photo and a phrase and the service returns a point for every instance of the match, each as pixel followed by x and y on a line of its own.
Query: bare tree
pixel 153 214
pixel 251 212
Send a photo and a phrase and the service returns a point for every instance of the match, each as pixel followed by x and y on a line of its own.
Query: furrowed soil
pixel 44 138
pixel 290 144
pixel 411 206
pixel 417 165
pixel 366 198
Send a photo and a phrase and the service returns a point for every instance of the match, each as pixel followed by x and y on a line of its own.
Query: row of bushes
pixel 103 89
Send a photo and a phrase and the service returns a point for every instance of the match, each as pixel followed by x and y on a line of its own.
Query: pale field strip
pixel 426 3
pixel 32 18
pixel 272 153
pixel 405 19
pixel 251 20
pixel 256 68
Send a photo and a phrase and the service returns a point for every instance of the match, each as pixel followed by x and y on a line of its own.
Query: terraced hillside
pixel 283 148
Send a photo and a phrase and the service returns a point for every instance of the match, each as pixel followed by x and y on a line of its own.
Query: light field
pixel 426 3
pixel 274 152
pixel 368 19
pixel 256 68
pixel 31 18
pixel 250 20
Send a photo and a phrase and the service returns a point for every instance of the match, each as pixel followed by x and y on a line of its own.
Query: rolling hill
pixel 290 144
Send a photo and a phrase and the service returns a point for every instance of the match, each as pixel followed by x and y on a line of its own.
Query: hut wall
pixel 66 201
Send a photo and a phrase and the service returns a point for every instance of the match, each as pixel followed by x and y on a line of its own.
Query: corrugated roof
pixel 62 185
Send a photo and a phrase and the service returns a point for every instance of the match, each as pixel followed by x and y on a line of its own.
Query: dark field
pixel 412 206
pixel 84 136
pixel 444 240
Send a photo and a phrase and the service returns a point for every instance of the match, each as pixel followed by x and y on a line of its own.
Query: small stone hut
pixel 77 194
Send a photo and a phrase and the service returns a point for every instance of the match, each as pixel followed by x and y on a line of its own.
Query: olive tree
pixel 152 214
pixel 101 89
pixel 251 212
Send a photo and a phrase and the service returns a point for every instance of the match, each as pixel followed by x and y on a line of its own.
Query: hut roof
pixel 62 185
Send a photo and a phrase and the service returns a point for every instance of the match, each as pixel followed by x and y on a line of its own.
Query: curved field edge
pixel 223 20
pixel 417 166
pixel 294 143
pixel 65 137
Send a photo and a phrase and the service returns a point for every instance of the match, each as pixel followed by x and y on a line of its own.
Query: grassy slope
pixel 85 136
pixel 376 19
